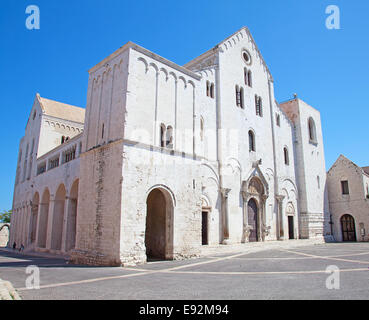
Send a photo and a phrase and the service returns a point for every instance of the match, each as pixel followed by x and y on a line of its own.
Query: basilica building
pixel 166 159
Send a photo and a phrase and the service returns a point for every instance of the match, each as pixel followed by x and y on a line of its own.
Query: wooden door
pixel 348 228
pixel 252 214
pixel 204 228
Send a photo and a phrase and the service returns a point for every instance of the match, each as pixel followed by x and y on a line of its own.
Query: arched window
pixel 212 90
pixel 241 98
pixel 169 137
pixel 207 88
pixel 251 141
pixel 249 78
pixel 162 135
pixel 312 130
pixel 286 157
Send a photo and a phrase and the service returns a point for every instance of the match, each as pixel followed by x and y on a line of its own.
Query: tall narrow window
pixel 312 130
pixel 286 158
pixel 162 135
pixel 345 187
pixel 169 137
pixel 278 119
pixel 258 106
pixel 202 129
pixel 62 139
pixel 241 98
pixel 207 88
pixel 102 131
pixel 251 141
pixel 318 180
pixel 249 78
pixel 246 76
pixel 238 97
pixel 212 90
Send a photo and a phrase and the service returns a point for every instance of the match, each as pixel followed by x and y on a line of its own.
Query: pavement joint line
pixel 261 272
pixel 132 275
pixel 326 257
pixel 61 284
pixel 300 258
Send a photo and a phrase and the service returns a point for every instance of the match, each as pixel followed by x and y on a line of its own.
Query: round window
pixel 246 57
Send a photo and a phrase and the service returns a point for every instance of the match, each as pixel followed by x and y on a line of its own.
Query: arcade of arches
pixel 48 222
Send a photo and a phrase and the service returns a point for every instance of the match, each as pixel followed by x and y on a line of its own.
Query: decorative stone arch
pixel 256 188
pixel 205 203
pixel 165 73
pixel 145 63
pixel 159 232
pixel 155 67
pixel 184 81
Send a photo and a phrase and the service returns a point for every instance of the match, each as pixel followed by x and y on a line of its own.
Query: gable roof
pixel 223 46
pixel 366 170
pixel 61 110
pixel 363 170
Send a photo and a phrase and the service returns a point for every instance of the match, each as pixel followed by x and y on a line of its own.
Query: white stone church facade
pixel 166 159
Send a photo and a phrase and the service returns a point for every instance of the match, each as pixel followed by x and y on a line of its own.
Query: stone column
pixel 263 225
pixel 23 223
pixel 280 219
pixel 225 192
pixel 67 212
pixel 245 232
pixel 38 224
pixel 50 223
pixel 28 223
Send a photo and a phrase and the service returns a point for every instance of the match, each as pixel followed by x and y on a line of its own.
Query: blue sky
pixel 327 68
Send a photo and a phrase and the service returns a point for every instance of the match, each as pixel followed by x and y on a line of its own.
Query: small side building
pixel 4 234
pixel 348 189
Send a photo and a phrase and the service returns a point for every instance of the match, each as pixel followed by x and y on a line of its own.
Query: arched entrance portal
pixel 159 225
pixel 348 228
pixel 252 215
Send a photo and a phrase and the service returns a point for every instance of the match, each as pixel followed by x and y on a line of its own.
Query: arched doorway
pixel 159 225
pixel 58 218
pixel 72 217
pixel 348 228
pixel 290 212
pixel 43 220
pixel 254 193
pixel 252 218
